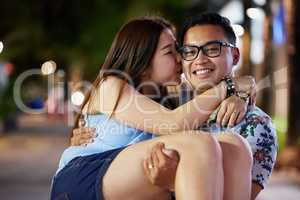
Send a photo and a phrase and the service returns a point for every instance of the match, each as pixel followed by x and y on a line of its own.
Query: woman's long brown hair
pixel 130 54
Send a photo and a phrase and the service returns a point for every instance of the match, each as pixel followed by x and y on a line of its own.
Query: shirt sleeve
pixel 261 135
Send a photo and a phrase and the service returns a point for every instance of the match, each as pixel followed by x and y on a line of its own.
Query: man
pixel 207 48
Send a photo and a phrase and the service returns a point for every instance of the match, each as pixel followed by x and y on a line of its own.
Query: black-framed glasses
pixel 210 49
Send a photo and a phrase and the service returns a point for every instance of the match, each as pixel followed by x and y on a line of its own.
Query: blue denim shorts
pixel 82 177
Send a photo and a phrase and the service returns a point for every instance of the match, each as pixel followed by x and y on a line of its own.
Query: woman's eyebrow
pixel 166 46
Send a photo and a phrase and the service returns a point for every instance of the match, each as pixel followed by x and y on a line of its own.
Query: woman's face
pixel 165 68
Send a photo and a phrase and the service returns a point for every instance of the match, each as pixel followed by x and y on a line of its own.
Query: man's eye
pixel 189 52
pixel 212 49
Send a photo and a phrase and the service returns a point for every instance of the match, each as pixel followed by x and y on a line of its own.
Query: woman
pixel 141 57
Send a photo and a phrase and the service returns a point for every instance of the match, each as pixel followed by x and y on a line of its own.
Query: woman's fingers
pixel 232 111
pixel 241 116
pixel 253 98
pixel 233 118
pixel 221 113
pixel 226 117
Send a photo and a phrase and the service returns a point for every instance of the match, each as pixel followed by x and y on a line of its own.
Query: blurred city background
pixel 51 50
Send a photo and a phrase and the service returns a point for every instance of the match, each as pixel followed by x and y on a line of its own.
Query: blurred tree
pixel 293 23
pixel 70 31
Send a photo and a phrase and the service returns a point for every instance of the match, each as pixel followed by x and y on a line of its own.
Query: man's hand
pixel 82 136
pixel 232 111
pixel 160 166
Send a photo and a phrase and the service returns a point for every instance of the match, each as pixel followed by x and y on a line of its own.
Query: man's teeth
pixel 202 71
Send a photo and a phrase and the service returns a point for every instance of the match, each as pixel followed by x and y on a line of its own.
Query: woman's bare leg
pixel 237 164
pixel 199 174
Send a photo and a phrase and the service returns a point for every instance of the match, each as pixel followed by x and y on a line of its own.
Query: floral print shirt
pixel 257 128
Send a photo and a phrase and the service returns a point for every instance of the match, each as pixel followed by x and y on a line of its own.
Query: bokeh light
pixel 238 30
pixel 1 46
pixel 77 98
pixel 48 67
pixel 256 13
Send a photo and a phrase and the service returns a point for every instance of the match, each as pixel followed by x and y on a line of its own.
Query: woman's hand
pixel 82 136
pixel 246 84
pixel 232 111
pixel 160 166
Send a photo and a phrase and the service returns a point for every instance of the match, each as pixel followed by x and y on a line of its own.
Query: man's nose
pixel 201 57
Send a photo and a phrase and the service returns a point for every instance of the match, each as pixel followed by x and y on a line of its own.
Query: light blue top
pixel 111 135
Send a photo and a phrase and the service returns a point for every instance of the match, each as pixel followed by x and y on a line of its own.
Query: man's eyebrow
pixel 166 46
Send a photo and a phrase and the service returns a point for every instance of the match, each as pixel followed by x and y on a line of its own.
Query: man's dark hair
pixel 207 19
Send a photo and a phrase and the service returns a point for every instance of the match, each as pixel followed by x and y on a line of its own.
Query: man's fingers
pixel 84 142
pixel 160 155
pixel 172 154
pixel 74 142
pixel 146 168
pixel 84 130
pixel 154 157
pixel 87 136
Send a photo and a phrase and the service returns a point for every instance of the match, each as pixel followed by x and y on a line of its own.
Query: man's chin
pixel 201 86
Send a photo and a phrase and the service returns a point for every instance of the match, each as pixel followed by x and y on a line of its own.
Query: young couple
pixel 125 107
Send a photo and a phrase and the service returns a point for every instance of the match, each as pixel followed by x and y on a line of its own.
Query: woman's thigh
pixel 125 178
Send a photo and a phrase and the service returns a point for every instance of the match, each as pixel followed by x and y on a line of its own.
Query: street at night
pixel 29 157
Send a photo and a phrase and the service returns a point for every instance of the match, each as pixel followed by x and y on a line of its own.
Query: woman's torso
pixel 111 134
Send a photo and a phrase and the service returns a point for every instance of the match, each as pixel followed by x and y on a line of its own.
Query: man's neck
pixel 196 90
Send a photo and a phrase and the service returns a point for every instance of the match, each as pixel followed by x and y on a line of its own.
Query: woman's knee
pixel 198 144
pixel 234 144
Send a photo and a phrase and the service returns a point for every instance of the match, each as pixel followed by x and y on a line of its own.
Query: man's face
pixel 204 71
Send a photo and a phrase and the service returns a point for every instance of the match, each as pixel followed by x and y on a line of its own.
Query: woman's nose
pixel 178 58
pixel 179 67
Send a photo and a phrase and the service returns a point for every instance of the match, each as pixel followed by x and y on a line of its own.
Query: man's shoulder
pixel 256 124
pixel 256 110
pixel 256 115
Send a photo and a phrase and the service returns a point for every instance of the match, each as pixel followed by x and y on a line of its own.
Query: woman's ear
pixel 236 55
pixel 145 75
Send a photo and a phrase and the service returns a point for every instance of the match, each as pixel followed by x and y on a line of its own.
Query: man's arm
pixel 258 130
pixel 160 166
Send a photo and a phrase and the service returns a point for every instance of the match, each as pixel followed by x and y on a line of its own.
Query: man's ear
pixel 235 55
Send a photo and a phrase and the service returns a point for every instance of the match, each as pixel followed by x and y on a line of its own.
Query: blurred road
pixel 29 158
